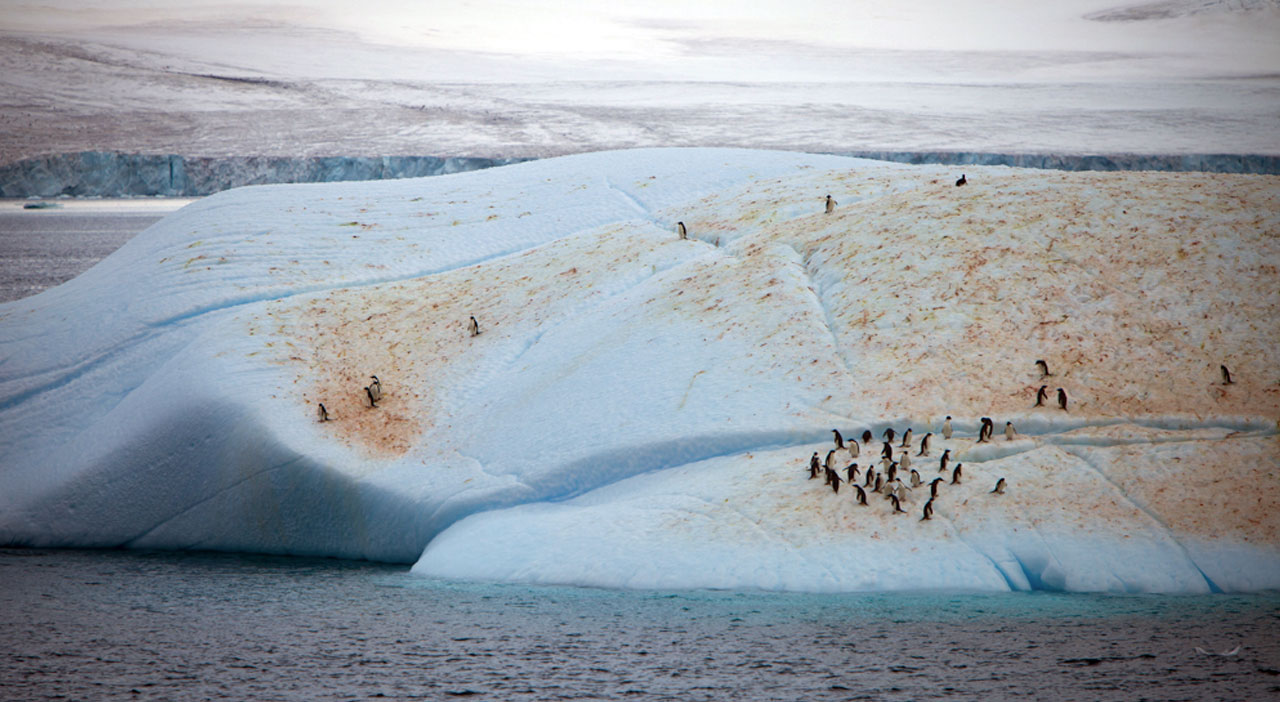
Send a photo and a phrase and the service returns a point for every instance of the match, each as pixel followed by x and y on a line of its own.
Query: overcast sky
pixel 701 36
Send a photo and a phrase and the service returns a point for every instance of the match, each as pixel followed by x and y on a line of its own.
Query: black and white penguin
pixel 999 487
pixel 887 451
pixel 862 494
pixel 984 432
pixel 852 448
pixel 962 180
pixel 946 428
pixel 851 473
pixel 475 327
pixel 955 474
pixel 376 387
pixel 879 484
pixel 1226 376
pixel 871 477
pixel 933 487
pixel 1009 431
pixel 866 436
pixel 835 483
pixel 831 204
pixel 892 473
pixel 1041 395
pixel 942 463
pixel 889 434
pixel 897 506
pixel 924 445
pixel 915 479
pixel 831 459
pixel 906 439
pixel 839 439
pixel 373 402
pixel 1044 370
pixel 684 233
pixel 814 466
pixel 826 476
pixel 905 461
pixel 928 510
pixel 324 413
pixel 1062 398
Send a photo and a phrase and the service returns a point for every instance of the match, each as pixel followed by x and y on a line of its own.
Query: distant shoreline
pixel 106 174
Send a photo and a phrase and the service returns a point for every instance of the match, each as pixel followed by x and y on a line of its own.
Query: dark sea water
pixel 145 625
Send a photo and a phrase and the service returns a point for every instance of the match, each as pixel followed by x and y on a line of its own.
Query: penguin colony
pixel 886 482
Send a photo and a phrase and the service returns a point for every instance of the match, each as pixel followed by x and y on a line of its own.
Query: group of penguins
pixel 373 391
pixel 886 481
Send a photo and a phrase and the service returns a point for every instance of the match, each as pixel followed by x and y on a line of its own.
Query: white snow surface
pixel 639 411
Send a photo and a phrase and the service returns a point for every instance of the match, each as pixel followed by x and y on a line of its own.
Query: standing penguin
pixel 1044 370
pixel 851 473
pixel 879 484
pixel 853 449
pixel 999 487
pixel 831 459
pixel 933 487
pixel 984 433
pixel 835 483
pixel 897 506
pixel 955 474
pixel 924 445
pixel 324 413
pixel 831 204
pixel 871 476
pixel 866 436
pixel 1041 395
pixel 889 434
pixel 1008 431
pixel 905 460
pixel 373 401
pixel 946 428
pixel 814 466
pixel 887 451
pixel 906 439
pixel 839 439
pixel 962 180
pixel 475 327
pixel 928 510
pixel 942 463
pixel 1062 398
pixel 376 387
pixel 915 479
pixel 862 494
pixel 684 233
pixel 1226 376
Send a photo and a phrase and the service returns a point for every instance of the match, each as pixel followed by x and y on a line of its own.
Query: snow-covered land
pixel 640 410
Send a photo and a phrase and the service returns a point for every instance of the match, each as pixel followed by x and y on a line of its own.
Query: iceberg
pixel 640 410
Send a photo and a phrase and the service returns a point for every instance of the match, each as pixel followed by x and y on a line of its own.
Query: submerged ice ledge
pixel 639 411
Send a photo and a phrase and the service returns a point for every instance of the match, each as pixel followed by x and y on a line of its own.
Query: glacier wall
pixel 113 174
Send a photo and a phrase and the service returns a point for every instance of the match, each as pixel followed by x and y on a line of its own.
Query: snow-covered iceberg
pixel 640 410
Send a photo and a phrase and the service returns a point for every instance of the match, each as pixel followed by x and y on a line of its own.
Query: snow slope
pixel 639 411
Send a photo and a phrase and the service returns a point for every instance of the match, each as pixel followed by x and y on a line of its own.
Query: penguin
pixel 475 327
pixel 814 465
pixel 1226 376
pixel 946 428
pixel 871 477
pixel 915 479
pixel 962 180
pixel 984 432
pixel 324 413
pixel 1008 431
pixel 924 445
pixel 906 439
pixel 942 463
pixel 897 506
pixel 831 459
pixel 851 473
pixel 831 204
pixel 879 485
pixel 892 473
pixel 835 483
pixel 999 487
pixel 1044 370
pixel 885 461
pixel 853 449
pixel 888 434
pixel 866 436
pixel 887 451
pixel 862 494
pixel 373 402
pixel 376 387
pixel 905 462
pixel 684 233
pixel 928 510
pixel 955 474
pixel 839 439
pixel 1041 395
pixel 933 488
pixel 1062 399
pixel 826 476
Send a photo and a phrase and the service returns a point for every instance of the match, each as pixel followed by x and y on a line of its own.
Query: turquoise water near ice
pixel 149 625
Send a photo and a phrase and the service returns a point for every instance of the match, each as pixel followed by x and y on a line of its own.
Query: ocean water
pixel 152 625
